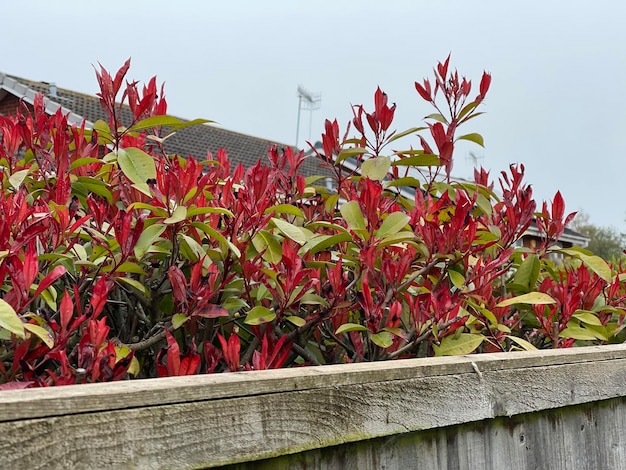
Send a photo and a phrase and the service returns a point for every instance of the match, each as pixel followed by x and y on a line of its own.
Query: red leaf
pixel 30 266
pixel 121 367
pixel 99 296
pixel 52 276
pixel 558 206
pixel 280 353
pixel 424 91
pixel 66 310
pixel 179 285
pixel 173 354
pixel 119 76
pixel 485 82
pixel 212 356
pixel 16 385
pixel 380 101
pixel 196 276
pixel 443 68
pixel 98 332
pixel 190 364
pixel 211 311
pixel 230 350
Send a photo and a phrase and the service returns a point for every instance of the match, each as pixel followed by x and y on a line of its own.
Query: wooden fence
pixel 561 409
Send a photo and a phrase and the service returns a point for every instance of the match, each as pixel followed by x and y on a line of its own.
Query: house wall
pixel 8 105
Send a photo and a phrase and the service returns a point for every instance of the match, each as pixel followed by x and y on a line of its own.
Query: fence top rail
pixel 77 399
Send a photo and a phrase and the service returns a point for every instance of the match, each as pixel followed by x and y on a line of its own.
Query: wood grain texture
pixel 205 421
pixel 584 437
pixel 58 401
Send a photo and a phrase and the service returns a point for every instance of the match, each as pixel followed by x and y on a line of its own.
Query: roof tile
pixel 196 141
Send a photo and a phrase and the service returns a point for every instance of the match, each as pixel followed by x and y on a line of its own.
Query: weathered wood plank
pixel 219 431
pixel 58 401
pixel 587 437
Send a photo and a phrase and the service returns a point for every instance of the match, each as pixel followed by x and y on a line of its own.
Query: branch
pixel 149 342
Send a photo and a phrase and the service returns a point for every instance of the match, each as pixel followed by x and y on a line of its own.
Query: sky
pixel 557 102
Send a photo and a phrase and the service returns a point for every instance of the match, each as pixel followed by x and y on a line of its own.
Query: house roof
pixel 569 235
pixel 195 140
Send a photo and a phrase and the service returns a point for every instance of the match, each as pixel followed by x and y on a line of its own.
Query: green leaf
pixel 409 181
pixel 352 214
pixel 49 296
pixel 211 232
pixel 191 249
pixel 178 320
pixel 155 121
pixel 578 333
pixel 167 121
pixel 329 225
pixel 267 243
pixel 138 167
pixel 528 272
pixel 400 237
pixel 135 284
pixel 437 117
pixel 484 204
pixel 297 234
pixel 399 332
pixel 158 211
pixel 127 267
pixel 321 242
pixel 413 130
pixel 467 108
pixel 522 343
pixel 9 319
pixel 84 161
pixel 147 238
pixel 331 203
pixel 394 222
pixel 104 132
pixel 347 327
pixel 476 138
pixel 603 333
pixel 259 315
pixel 532 298
pixel 234 304
pixel 465 343
pixel 417 160
pixel 313 299
pixel 488 314
pixel 192 211
pixel 285 209
pixel 87 184
pixel 349 152
pixel 384 339
pixel 587 317
pixel 298 321
pixel 193 122
pixel 179 214
pixel 41 333
pixel 18 177
pixel 376 168
pixel 598 266
pixel 456 278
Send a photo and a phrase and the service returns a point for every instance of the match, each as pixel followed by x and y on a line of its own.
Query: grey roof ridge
pixel 21 91
pixel 17 85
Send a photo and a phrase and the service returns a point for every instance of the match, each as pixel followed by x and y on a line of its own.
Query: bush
pixel 119 260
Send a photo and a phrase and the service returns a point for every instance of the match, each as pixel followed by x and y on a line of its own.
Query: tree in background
pixel 605 241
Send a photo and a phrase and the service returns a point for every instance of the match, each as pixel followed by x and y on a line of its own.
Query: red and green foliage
pixel 118 260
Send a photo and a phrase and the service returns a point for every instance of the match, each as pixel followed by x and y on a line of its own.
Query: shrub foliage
pixel 118 260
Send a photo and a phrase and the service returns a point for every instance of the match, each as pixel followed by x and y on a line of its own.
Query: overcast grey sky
pixel 557 101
